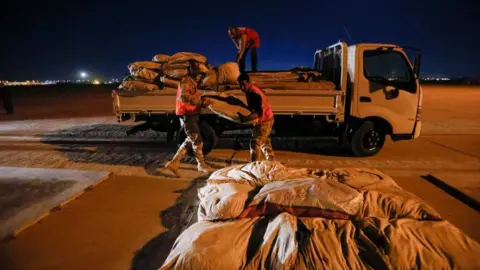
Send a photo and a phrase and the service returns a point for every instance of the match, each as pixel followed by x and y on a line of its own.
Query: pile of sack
pixel 163 71
pixel 167 71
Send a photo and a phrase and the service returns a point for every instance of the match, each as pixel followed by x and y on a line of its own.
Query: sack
pixel 138 86
pixel 383 198
pixel 222 201
pixel 168 66
pixel 203 68
pixel 258 174
pixel 271 243
pixel 145 74
pixel 169 82
pixel 144 64
pixel 161 58
pixel 175 73
pixel 210 80
pixel 228 107
pixel 228 73
pixel 182 57
pixel 307 197
pixel 224 74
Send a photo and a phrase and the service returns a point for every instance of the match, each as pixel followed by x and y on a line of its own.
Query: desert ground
pixel 132 219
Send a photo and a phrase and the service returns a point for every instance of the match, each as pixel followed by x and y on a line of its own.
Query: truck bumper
pixel 411 136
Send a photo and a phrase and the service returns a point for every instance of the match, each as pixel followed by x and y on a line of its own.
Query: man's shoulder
pixel 256 89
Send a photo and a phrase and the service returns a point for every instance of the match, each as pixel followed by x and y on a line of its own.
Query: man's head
pixel 193 68
pixel 232 31
pixel 244 82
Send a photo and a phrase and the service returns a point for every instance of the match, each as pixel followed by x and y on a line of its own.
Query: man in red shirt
pixel 245 39
pixel 262 117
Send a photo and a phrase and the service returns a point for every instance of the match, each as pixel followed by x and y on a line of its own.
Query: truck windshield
pixel 386 66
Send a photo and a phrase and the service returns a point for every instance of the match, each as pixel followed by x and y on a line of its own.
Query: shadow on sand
pixel 108 144
pixel 175 220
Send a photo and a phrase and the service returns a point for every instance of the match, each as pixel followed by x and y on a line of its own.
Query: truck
pixel 364 93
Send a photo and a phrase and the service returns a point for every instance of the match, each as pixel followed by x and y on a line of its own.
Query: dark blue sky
pixel 52 39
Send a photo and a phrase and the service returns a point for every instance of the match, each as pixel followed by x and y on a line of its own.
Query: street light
pixel 83 74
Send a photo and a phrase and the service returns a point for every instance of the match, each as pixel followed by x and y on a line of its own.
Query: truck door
pixel 386 87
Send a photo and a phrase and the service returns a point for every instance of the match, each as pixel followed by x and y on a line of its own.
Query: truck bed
pixel 316 102
pixel 285 93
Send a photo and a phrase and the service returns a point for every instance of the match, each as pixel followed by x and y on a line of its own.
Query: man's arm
pixel 187 93
pixel 235 41
pixel 255 105
pixel 243 44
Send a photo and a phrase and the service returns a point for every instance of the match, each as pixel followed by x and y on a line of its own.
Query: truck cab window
pixel 388 67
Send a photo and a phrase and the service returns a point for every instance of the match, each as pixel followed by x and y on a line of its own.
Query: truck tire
pixel 367 140
pixel 209 137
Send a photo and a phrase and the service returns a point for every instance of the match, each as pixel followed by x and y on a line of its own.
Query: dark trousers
pixel 253 59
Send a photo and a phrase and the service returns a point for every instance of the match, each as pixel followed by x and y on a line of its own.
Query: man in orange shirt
pixel 262 118
pixel 245 39
pixel 188 106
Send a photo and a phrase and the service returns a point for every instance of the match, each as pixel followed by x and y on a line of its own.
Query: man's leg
pixel 182 150
pixel 193 134
pixel 254 59
pixel 241 63
pixel 267 149
pixel 255 143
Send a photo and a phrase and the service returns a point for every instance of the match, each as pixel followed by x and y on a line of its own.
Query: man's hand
pixel 223 95
pixel 206 102
pixel 252 117
pixel 242 117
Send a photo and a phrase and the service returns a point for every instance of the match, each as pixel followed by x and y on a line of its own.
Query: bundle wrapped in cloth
pixel 161 58
pixel 138 86
pixel 316 219
pixel 224 74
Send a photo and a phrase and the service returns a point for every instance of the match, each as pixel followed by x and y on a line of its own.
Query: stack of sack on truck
pixel 145 76
pixel 177 67
pixel 264 215
pixel 162 71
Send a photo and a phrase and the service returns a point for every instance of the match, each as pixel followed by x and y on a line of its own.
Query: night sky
pixel 54 39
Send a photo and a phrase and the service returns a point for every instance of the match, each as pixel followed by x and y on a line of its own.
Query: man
pixel 6 98
pixel 262 117
pixel 188 105
pixel 245 39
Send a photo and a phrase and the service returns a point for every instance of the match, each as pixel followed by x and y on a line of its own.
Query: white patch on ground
pixel 25 215
pixel 37 126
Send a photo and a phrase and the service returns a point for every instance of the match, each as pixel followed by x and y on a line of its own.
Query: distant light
pixel 83 74
pixel 96 82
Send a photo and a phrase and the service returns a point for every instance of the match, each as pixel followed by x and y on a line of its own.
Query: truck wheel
pixel 209 137
pixel 367 140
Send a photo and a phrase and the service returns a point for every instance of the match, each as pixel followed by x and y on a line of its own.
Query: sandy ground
pixel 104 228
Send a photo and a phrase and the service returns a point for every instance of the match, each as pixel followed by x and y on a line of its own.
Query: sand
pixel 124 216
